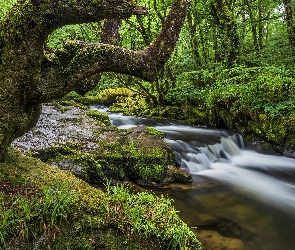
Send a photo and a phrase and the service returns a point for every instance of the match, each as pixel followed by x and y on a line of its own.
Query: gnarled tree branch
pixel 92 59
pixel 29 77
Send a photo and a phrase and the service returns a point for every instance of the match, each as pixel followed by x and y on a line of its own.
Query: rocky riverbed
pixel 79 141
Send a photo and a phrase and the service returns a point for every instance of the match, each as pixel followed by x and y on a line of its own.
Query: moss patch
pixel 104 97
pixel 134 154
pixel 102 119
pixel 93 219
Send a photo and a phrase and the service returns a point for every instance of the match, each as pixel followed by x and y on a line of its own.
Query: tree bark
pixel 230 42
pixel 30 76
pixel 253 26
pixel 289 15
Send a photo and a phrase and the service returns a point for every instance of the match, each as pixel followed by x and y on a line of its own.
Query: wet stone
pixel 56 127
pixel 75 142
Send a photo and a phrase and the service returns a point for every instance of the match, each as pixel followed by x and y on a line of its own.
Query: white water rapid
pixel 245 176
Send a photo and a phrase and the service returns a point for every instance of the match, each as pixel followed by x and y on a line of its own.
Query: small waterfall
pixel 238 140
pixel 253 190
pixel 230 146
pixel 195 163
pixel 222 152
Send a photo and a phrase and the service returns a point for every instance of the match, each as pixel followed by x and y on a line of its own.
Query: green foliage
pixel 199 56
pixel 263 89
pixel 5 5
pixel 30 216
pixel 131 105
pixel 88 32
pixel 102 119
pixel 146 215
pixel 269 90
pixel 109 96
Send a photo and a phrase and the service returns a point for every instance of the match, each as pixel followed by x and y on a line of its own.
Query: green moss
pixel 64 105
pixel 116 219
pixel 104 97
pixel 102 119
pixel 153 131
pixel 109 96
pixel 146 164
pixel 178 175
pixel 89 100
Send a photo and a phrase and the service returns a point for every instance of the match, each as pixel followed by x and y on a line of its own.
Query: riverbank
pixel 47 207
pixel 267 124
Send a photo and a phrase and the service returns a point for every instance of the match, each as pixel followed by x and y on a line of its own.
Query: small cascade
pixel 222 152
pixel 238 140
pixel 230 146
pixel 253 190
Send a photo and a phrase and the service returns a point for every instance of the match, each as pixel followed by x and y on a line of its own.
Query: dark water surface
pixel 239 199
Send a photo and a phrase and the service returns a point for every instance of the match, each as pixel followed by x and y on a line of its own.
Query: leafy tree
pixel 31 74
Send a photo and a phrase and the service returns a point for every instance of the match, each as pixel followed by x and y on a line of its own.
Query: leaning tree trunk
pixel 227 28
pixel 30 76
pixel 290 21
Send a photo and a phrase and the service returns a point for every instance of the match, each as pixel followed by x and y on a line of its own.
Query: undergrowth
pixel 146 215
pixel 31 216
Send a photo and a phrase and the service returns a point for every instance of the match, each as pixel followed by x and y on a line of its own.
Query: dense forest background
pixel 235 55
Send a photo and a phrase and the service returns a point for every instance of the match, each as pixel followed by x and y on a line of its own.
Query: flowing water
pixel 239 199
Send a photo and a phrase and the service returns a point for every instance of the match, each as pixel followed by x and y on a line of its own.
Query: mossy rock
pixel 90 218
pixel 136 154
pixel 178 175
pixel 105 97
pixel 64 105
pixel 109 96
pixel 83 142
pixel 102 119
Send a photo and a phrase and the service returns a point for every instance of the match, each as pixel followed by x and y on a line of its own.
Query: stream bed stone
pixel 75 142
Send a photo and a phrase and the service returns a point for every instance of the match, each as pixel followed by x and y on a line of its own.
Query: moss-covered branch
pixel 88 61
pixel 30 76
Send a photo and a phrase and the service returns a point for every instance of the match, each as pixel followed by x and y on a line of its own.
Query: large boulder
pixel 83 142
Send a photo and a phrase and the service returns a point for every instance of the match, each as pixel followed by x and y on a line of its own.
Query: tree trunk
pixel 30 76
pixel 194 43
pixel 260 26
pixel 111 31
pixel 289 15
pixel 253 26
pixel 227 26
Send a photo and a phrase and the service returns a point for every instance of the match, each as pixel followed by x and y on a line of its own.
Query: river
pixel 238 199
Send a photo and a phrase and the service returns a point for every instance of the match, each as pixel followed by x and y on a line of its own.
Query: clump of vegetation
pixel 28 215
pixel 104 97
pixel 177 175
pixel 66 213
pixel 109 96
pixel 64 105
pixel 132 105
pixel 148 216
pixel 153 131
pixel 102 119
